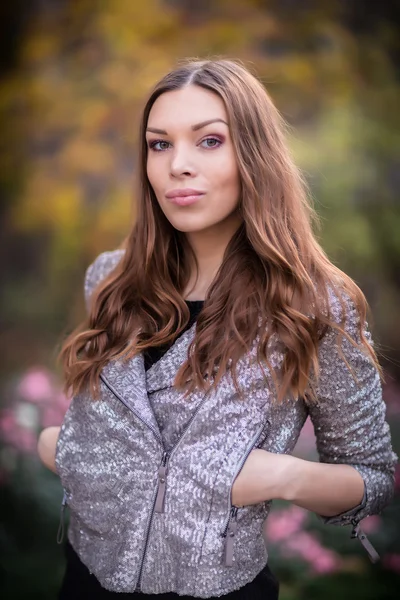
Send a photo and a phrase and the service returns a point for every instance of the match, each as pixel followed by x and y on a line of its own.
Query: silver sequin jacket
pixel 142 518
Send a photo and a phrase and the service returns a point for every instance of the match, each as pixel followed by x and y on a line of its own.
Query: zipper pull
pixel 162 483
pixel 60 532
pixel 360 535
pixel 264 434
pixel 230 536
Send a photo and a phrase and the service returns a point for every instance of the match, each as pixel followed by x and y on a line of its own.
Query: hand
pixel 46 447
pixel 263 477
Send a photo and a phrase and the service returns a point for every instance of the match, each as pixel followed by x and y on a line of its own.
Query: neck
pixel 209 246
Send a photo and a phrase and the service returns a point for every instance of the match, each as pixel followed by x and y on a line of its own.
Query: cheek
pixel 224 168
pixel 150 175
pixel 154 174
pixel 226 180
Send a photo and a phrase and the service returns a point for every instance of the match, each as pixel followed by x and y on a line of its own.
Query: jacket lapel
pixel 162 374
pixel 127 381
pixel 130 383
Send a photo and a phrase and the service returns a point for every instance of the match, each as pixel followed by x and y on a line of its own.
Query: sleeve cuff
pixel 348 516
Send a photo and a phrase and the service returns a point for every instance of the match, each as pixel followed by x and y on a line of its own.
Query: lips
pixel 184 197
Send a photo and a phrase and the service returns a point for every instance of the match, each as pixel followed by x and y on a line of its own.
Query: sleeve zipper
pixel 357 533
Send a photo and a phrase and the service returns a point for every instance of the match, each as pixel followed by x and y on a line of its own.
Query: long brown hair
pixel 274 256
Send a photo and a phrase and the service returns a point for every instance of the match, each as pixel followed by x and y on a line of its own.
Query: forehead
pixel 185 107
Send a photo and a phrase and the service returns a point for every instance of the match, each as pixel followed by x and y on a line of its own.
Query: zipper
pixel 138 583
pixel 119 397
pixel 61 528
pixel 357 533
pixel 157 506
pixel 230 533
pixel 230 526
pixel 159 495
pixel 162 483
pixel 264 434
pixel 255 443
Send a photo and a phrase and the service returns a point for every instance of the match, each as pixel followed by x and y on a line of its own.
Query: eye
pixel 211 142
pixel 159 145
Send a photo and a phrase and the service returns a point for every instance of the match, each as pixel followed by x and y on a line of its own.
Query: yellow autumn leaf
pixel 83 155
pixel 48 203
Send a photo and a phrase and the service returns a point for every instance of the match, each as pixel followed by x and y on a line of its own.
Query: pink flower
pixel 8 423
pixel 39 401
pixel 62 402
pixel 14 435
pixel 36 386
pixel 307 547
pixel 51 416
pixel 53 413
pixel 284 523
pixel 326 562
pixel 392 562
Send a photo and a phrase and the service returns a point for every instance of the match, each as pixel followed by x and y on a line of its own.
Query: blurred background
pixel 74 75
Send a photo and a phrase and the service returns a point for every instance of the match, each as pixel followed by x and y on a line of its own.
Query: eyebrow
pixel 194 127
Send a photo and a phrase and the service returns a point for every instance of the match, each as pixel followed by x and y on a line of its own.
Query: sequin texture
pixel 109 455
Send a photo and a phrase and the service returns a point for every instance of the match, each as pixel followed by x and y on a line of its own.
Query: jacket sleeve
pixel 349 417
pixel 98 270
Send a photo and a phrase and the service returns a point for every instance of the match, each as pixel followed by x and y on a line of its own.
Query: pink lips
pixel 184 197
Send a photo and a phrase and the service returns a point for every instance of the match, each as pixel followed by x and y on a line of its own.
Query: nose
pixel 182 163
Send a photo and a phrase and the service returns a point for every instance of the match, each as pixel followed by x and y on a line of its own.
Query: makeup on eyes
pixel 214 137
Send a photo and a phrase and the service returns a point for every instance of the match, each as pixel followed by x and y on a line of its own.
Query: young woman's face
pixel 191 163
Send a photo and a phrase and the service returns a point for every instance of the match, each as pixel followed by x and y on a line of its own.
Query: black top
pixel 152 355
pixel 80 584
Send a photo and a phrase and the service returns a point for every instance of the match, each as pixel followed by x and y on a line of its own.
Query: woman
pixel 212 334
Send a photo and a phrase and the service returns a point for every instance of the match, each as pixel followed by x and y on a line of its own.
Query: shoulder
pixel 98 270
pixel 342 308
pixel 346 314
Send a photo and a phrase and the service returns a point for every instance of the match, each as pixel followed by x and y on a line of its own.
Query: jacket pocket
pixel 91 493
pixel 232 520
pixel 95 506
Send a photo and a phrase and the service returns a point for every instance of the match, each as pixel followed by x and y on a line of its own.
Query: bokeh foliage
pixel 69 114
pixel 69 110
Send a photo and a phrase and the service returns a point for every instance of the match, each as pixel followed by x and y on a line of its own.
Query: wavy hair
pixel 274 256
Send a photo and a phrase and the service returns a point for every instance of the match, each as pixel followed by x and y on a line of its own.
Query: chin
pixel 186 225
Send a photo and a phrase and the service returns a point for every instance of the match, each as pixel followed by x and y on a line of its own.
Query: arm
pixel 94 274
pixel 46 447
pixel 351 430
pixel 326 489
pixel 355 475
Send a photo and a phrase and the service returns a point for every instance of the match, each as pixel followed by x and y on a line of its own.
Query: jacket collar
pixel 162 374
pixel 129 381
